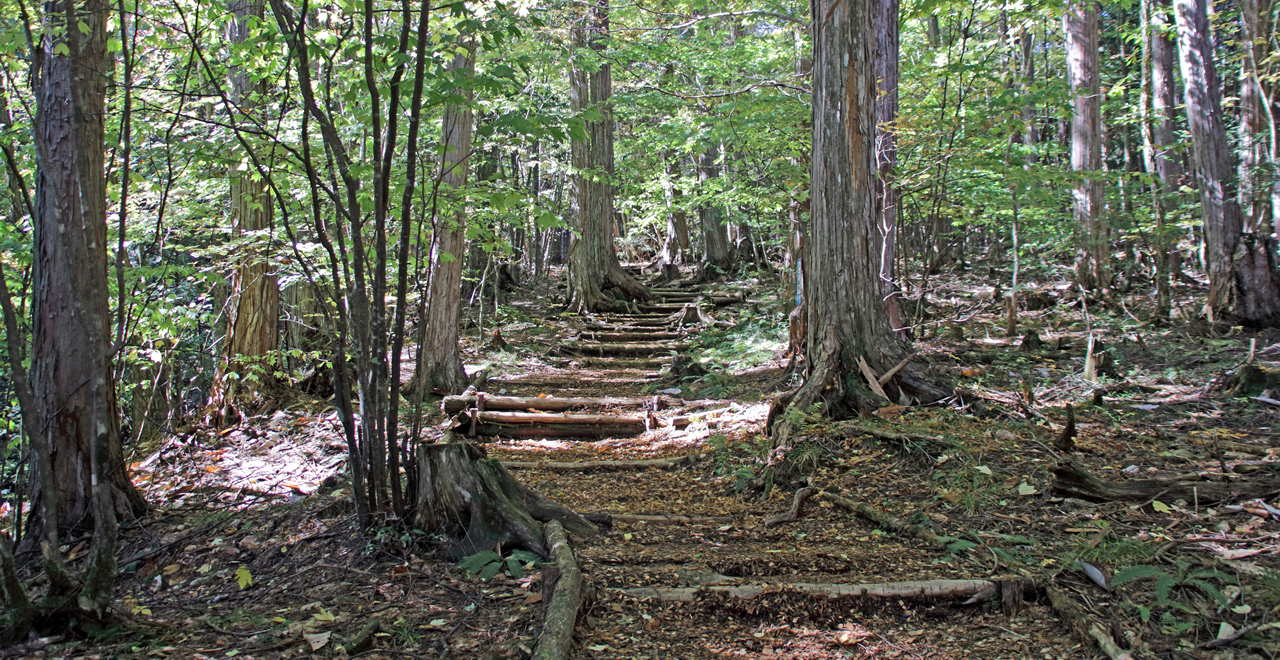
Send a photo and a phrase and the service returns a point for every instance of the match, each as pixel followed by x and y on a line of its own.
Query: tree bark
pixel 717 252
pixel 1257 160
pixel 253 308
pixel 676 244
pixel 886 29
pixel 1158 106
pixel 1080 25
pixel 593 257
pixel 846 317
pixel 439 365
pixel 72 351
pixel 1244 284
pixel 466 495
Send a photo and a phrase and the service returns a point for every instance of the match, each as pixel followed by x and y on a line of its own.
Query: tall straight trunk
pixel 675 245
pixel 593 257
pixel 885 24
pixel 1031 123
pixel 1155 78
pixel 1080 25
pixel 1258 180
pixel 717 252
pixel 1244 285
pixel 846 320
pixel 253 308
pixel 440 361
pixel 71 373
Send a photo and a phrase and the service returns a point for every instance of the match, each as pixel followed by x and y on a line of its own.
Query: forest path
pixel 686 528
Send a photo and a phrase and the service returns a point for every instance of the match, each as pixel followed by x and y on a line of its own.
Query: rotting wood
pixel 1072 479
pixel 1083 625
pixel 670 519
pixel 561 614
pixel 1231 445
pixel 915 589
pixel 453 405
pixel 584 466
pixel 363 639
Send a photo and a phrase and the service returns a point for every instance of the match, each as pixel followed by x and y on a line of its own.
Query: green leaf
pixel 84 28
pixel 480 561
pixel 1139 572
pixel 244 577
pixel 61 49
pixel 1160 507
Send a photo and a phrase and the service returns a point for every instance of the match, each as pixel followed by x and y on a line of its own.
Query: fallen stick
pixel 1085 626
pixel 561 614
pixel 582 466
pixel 793 514
pixel 1230 445
pixel 921 589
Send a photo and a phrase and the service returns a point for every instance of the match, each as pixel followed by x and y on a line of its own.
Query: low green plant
pixel 486 564
pixel 1167 585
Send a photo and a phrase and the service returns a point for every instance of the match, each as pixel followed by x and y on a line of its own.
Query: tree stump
pixel 466 495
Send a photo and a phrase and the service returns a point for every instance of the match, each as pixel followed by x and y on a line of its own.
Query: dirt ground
pixel 251 550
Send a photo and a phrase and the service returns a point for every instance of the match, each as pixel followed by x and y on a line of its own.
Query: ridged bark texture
pixel 593 259
pixel 846 317
pixel 440 362
pixel 1257 169
pixel 71 358
pixel 716 249
pixel 1080 25
pixel 886 30
pixel 1244 285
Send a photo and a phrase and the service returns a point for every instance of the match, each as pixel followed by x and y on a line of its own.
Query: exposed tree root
pixel 561 613
pixel 1085 626
pixel 881 517
pixel 1071 478
pixel 466 495
pixel 972 590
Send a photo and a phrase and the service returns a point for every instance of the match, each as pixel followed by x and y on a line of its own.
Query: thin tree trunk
pixel 1080 25
pixel 675 245
pixel 1257 156
pixel 885 23
pixel 1244 285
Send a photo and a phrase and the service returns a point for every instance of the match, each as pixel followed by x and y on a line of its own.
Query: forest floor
pixel 252 551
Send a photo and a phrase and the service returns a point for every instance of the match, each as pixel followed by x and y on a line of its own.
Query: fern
pixel 1139 572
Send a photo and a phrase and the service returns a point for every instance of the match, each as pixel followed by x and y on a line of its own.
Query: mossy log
pixel 465 495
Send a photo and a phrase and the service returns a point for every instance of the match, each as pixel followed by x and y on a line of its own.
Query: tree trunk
pixel 1158 104
pixel 717 253
pixel 885 23
pixel 847 321
pixel 593 257
pixel 1080 25
pixel 1244 285
pixel 464 494
pixel 72 352
pixel 1257 162
pixel 676 244
pixel 439 365
pixel 253 308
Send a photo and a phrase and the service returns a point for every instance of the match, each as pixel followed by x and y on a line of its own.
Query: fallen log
pixel 464 494
pixel 665 519
pixel 973 590
pixel 1072 479
pixel 561 614
pixel 584 466
pixel 452 405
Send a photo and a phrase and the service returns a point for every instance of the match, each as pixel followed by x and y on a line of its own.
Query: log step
pixel 453 405
pixel 547 425
pixel 625 349
pixel 630 336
